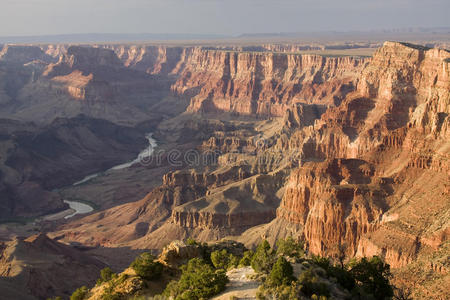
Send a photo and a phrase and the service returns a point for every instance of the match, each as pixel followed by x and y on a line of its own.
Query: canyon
pixel 348 153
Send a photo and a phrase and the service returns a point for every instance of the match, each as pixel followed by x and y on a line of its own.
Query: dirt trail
pixel 240 286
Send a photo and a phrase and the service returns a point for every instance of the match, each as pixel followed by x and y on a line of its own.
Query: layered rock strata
pixel 264 83
pixel 396 124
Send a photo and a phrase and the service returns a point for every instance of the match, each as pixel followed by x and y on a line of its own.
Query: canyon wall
pixel 394 124
pixel 214 80
pixel 254 83
pixel 161 60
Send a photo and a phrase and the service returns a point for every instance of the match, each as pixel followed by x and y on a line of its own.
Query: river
pixel 82 208
pixel 79 208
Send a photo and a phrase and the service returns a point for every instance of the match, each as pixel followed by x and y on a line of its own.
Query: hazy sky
pixel 41 17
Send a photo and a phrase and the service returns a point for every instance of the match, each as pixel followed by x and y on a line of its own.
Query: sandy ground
pixel 58 216
pixel 240 286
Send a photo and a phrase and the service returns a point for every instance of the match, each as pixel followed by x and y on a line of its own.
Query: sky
pixel 227 17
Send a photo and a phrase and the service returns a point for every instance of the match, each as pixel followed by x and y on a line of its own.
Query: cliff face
pixel 79 79
pixel 263 83
pixel 235 206
pixel 160 60
pixel 87 73
pixel 336 202
pixel 396 125
pixel 17 54
pixel 252 83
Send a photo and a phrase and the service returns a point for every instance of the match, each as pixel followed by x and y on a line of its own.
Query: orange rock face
pixel 335 201
pixel 386 150
pixel 263 83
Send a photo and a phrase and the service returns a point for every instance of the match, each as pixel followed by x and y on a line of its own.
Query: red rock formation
pixel 263 83
pixel 397 119
pixel 334 201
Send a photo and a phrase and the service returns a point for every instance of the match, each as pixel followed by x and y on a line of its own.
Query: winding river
pixel 79 208
pixel 82 208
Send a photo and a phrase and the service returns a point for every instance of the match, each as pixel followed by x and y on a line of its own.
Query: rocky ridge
pixel 40 267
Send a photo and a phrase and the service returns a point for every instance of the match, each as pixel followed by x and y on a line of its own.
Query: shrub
pixel 111 296
pixel 311 285
pixel 198 280
pixel 373 276
pixel 246 260
pixel 146 267
pixel 322 262
pixel 79 294
pixel 281 273
pixel 122 279
pixel 289 247
pixel 191 242
pixel 263 259
pixel 220 259
pixel 105 275
pixel 289 291
pixel 233 261
pixel 343 277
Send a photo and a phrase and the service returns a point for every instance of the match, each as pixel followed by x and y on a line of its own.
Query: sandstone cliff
pixel 395 125
pixel 264 83
pixel 160 60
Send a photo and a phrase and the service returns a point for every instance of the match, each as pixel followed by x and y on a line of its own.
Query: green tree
pixel 246 260
pixel 311 285
pixel 263 259
pixel 322 262
pixel 79 294
pixel 220 259
pixel 282 273
pixel 198 280
pixel 106 275
pixel 342 275
pixel 289 247
pixel 233 261
pixel 373 276
pixel 146 267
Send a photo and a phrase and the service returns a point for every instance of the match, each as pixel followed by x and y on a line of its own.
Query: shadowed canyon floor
pixel 347 152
